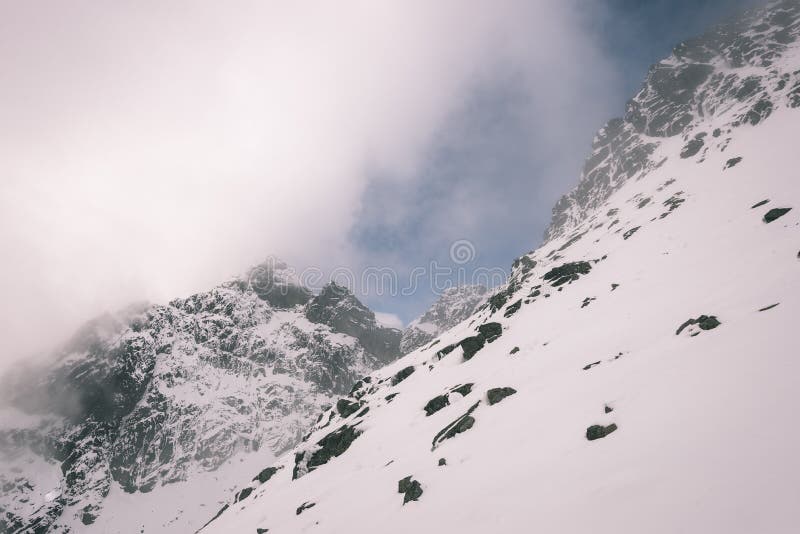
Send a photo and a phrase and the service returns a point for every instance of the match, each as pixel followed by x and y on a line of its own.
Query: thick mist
pixel 151 149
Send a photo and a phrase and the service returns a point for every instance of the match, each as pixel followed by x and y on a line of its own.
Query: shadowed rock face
pixel 733 64
pixel 157 393
pixel 452 307
pixel 336 307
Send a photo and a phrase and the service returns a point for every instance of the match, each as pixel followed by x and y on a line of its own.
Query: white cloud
pixel 151 149
pixel 389 319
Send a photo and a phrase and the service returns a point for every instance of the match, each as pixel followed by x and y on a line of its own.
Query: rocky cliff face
pixel 453 306
pixel 160 394
pixel 638 371
pixel 734 75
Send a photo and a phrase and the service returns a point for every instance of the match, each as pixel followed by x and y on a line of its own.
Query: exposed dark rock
pixel 568 272
pixel 402 374
pixel 243 494
pixel 514 350
pixel 705 322
pixel 471 346
pixel 463 390
pixel 599 431
pixel 390 397
pixel 266 474
pixel 513 308
pixel 497 301
pixel 496 395
pixel 775 213
pixel 436 404
pixel 587 301
pixel 363 412
pixel 442 461
pixel 630 232
pixel 262 530
pixel 347 408
pixel 411 488
pixel 692 147
pixel 305 506
pixel 759 204
pixel 607 409
pixel 490 331
pixel 642 203
pixel 331 446
pixel 614 286
pixel 341 310
pixel 462 424
pixel 673 203
pixel 446 350
pixel 769 307
pixel 589 366
pixel 732 162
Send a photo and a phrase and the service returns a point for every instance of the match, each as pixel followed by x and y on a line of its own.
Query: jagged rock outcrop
pixel 453 306
pixel 158 394
pixel 732 73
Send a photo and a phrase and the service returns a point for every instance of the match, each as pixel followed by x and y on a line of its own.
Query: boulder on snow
pixel 599 431
pixel 442 461
pixel 490 331
pixel 402 374
pixel 411 488
pixel 347 408
pixel 462 424
pixel 305 506
pixel 775 213
pixel 471 346
pixel 514 350
pixel 496 395
pixel 759 204
pixel 436 404
pixel 266 474
pixel 567 273
pixel 732 162
pixel 463 390
pixel 704 322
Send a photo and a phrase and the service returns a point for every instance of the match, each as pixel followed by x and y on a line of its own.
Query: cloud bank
pixel 151 149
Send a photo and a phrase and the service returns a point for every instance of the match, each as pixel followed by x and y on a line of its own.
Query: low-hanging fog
pixel 151 149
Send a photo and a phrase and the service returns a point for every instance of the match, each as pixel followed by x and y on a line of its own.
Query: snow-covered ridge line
pixel 732 74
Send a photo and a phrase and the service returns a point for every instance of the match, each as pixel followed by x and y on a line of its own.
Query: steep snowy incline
pixel 638 374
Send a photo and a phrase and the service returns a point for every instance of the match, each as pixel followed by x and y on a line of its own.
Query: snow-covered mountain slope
pixel 639 372
pixel 163 403
pixel 453 306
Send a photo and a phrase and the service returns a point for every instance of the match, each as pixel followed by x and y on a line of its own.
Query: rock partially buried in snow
pixel 305 506
pixel 599 431
pixel 732 162
pixel 402 375
pixel 567 273
pixel 471 346
pixel 704 322
pixel 490 331
pixel 775 213
pixel 496 395
pixel 462 424
pixel 436 404
pixel 411 488
pixel 347 408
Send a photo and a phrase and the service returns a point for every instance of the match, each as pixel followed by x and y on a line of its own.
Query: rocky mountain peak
pixel 338 308
pixel 453 306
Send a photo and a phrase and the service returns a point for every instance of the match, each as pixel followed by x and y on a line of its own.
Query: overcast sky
pixel 151 149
